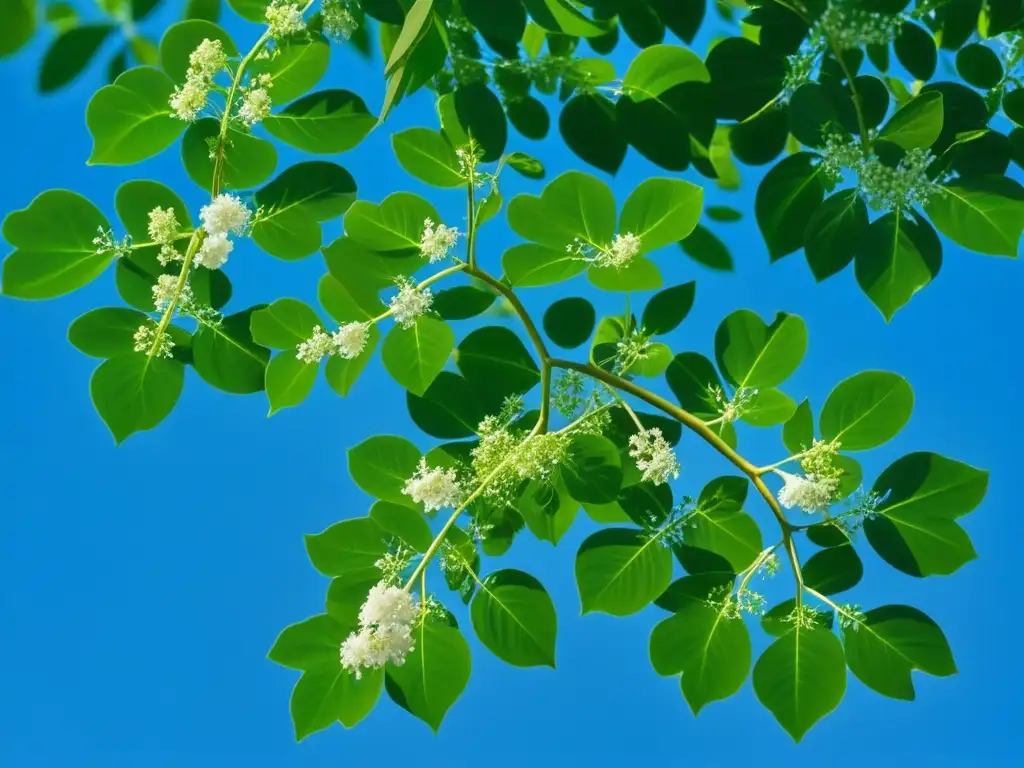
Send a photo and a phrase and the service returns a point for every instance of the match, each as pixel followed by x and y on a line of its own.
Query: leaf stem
pixel 471 216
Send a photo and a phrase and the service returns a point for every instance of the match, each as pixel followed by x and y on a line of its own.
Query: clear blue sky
pixel 141 586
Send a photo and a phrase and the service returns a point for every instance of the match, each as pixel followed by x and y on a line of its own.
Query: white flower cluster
pixel 146 337
pixel 385 630
pixel 515 458
pixel 410 302
pixel 347 342
pixel 205 62
pixel 224 215
pixel 618 255
pixel 339 22
pixel 435 488
pixel 256 103
pixel 810 493
pixel 654 456
pixel 847 26
pixel 163 293
pixel 285 19
pixel 437 240
pixel 163 230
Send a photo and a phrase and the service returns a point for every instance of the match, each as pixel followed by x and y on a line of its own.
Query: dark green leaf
pixel 620 570
pixel 407 524
pixel 985 215
pixel 833 570
pixel 787 198
pixel 834 233
pixel 133 392
pixel 668 308
pixel 248 161
pixel 69 55
pixel 462 302
pixel 448 409
pixel 480 113
pixel 588 126
pixel 569 322
pixel 284 324
pixel 593 470
pixel 497 365
pixel 798 433
pixel 916 51
pixel 695 382
pixel 428 156
pixel 744 77
pixel 704 247
pixel 896 258
pixel 226 357
pixel 979 66
pixel 513 616
pixel 753 354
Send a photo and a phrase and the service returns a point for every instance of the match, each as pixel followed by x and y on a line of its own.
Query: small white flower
pixel 255 106
pixel 350 339
pixel 207 60
pixel 434 488
pixel 163 230
pixel 225 213
pixel 285 19
pixel 189 100
pixel 316 347
pixel 808 493
pixel 654 456
pixel 385 630
pixel 146 336
pixel 620 253
pixel 388 605
pixel 437 241
pixel 410 302
pixel 163 293
pixel 338 22
pixel 214 252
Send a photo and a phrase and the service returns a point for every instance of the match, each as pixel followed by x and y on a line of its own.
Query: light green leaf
pixel 106 332
pixel 712 652
pixel 226 357
pixel 248 160
pixel 530 266
pixel 284 324
pixel 417 20
pixel 798 433
pixel 866 410
pixel 549 511
pixel 55 250
pixel 662 212
pixel 661 67
pixel 984 214
pixel 327 694
pixel 131 119
pixel 572 206
pixel 656 360
pixel 593 470
pixel 897 257
pixel 349 548
pixel 833 570
pixel 694 380
pixel 562 16
pixel 297 67
pixel 382 465
pixel 917 124
pixel 800 678
pixel 133 392
pixel 323 123
pixel 753 354
pixel 181 39
pixel 889 643
pixel 427 155
pixel 720 526
pixel 619 571
pixel 394 225
pixel 434 675
pixel 309 644
pixel 288 381
pixel 415 356
pixel 407 524
pixel 513 616
pixel 341 374
pixel 768 408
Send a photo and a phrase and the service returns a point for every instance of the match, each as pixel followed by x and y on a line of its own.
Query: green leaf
pixel 769 408
pixel 18 27
pixel 593 470
pixel 984 214
pixel 297 67
pixel 1013 105
pixel 694 380
pixel 449 409
pixel 897 257
pixel 481 115
pixel 133 392
pixel 462 302
pixel 787 198
pixel 415 356
pixel 660 67
pixel 497 365
pixel 570 321
pixel 525 165
pixel 866 410
pixel 131 120
pixel 800 678
pixel 712 652
pixel 723 213
pixel 181 39
pixel 704 247
pixel 226 357
pixel 394 225
pixel 915 529
pixel 661 212
pixel 407 524
pixel 641 274
pixel 349 548
pixel 381 465
pixel 561 16
pixel 917 124
pixel 434 675
pixel 418 18
pixel 55 250
pixel 573 205
pixel 835 232
pixel 588 126
pixel 892 641
pixel 288 381
pixel 427 156
pixel 668 308
pixel 324 123
pixel 621 570
pixel 721 527
pixel 744 77
pixel 530 266
pixel 309 644
pixel 548 510
pixel 296 202
pixel 106 332
pixel 69 55
pixel 916 51
pixel 503 20
pixel 327 694
pixel 778 620
pixel 753 354
pixel 341 374
pixel 248 161
pixel 513 616
pixel 798 433
pixel 979 66
pixel 833 570
pixel 284 324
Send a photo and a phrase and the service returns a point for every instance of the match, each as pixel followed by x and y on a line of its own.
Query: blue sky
pixel 143 585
